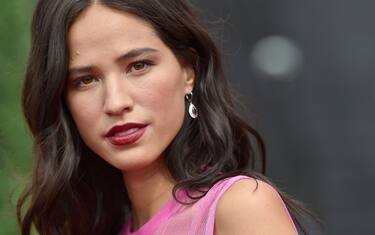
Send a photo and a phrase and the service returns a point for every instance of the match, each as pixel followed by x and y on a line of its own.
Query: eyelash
pixel 147 63
pixel 79 81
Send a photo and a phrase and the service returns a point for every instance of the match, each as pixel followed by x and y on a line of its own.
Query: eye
pixel 140 66
pixel 84 81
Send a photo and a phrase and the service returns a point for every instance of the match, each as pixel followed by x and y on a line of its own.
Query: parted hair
pixel 74 191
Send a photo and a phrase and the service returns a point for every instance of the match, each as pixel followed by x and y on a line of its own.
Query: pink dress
pixel 196 219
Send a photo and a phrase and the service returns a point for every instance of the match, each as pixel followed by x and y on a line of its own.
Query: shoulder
pixel 252 206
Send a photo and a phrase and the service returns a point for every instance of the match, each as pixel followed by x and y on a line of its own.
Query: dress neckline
pixel 168 209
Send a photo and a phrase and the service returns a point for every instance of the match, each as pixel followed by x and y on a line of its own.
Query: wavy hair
pixel 66 194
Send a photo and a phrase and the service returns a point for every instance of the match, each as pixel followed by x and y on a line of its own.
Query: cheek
pixel 84 111
pixel 167 95
pixel 165 99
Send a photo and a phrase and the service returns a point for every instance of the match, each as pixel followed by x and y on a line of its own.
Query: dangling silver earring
pixel 193 111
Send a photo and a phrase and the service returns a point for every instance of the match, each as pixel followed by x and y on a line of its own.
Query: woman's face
pixel 125 89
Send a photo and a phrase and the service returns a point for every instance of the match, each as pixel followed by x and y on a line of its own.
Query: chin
pixel 134 162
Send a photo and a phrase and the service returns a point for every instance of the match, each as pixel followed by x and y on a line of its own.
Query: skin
pixel 245 209
pixel 104 91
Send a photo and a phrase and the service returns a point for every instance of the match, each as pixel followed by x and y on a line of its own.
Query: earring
pixel 193 111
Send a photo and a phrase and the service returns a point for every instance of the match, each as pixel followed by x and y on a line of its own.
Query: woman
pixel 134 127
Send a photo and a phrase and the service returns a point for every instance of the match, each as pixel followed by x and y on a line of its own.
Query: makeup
pixel 125 134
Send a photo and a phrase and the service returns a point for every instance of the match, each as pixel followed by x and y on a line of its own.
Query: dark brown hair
pixel 73 191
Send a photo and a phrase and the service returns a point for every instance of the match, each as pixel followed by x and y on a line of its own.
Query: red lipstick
pixel 125 134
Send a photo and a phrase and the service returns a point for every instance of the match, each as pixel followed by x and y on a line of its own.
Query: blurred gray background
pixel 305 70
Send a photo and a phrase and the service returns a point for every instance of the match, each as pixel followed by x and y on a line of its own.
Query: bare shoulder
pixel 251 208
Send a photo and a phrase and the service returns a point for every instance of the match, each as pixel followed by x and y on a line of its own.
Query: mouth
pixel 125 134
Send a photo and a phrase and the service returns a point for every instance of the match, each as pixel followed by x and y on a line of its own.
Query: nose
pixel 117 96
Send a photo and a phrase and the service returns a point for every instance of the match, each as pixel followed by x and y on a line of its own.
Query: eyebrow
pixel 136 52
pixel 128 55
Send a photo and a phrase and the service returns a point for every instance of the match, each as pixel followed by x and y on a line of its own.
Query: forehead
pixel 100 28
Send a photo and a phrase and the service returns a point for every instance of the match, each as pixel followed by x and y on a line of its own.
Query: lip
pixel 127 138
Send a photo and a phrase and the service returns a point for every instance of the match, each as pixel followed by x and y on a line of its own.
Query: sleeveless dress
pixel 196 219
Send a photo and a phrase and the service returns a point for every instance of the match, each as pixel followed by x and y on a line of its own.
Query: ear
pixel 189 78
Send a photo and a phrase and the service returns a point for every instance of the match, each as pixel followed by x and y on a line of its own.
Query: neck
pixel 148 189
